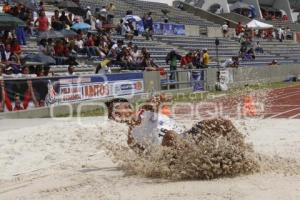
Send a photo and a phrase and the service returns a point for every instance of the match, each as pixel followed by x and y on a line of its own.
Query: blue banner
pixel 163 28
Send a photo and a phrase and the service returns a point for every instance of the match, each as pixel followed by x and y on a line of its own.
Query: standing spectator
pixel 110 13
pixel 225 28
pixel 128 31
pixel 238 29
pixel 171 59
pixel 41 6
pixel 88 16
pixel 205 58
pixel 186 61
pixel 42 21
pixel 148 26
pixel 280 34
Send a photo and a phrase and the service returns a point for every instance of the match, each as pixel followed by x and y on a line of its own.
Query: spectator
pixel 70 19
pixel 15 47
pixel 63 19
pixel 274 62
pixel 231 62
pixel 186 61
pixel 238 29
pixel 136 54
pixel 225 28
pixel 110 13
pixel 49 48
pixel 258 48
pixel 55 22
pixel 148 26
pixel 6 53
pixel 41 6
pixel 119 27
pixel 148 64
pixel 171 59
pixel 128 31
pixel 88 16
pixel 280 34
pixel 6 7
pixel 42 21
pixel 26 72
pixel 205 58
pixel 71 71
pixel 42 46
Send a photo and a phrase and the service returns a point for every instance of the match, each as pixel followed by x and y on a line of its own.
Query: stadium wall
pixel 239 77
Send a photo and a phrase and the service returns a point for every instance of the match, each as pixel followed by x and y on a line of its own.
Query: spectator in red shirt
pixel 15 47
pixel 239 29
pixel 186 61
pixel 60 49
pixel 43 23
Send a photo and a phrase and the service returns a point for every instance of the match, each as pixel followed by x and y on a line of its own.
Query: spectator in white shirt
pixel 225 28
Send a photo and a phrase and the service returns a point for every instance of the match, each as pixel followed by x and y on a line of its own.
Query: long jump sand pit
pixel 66 159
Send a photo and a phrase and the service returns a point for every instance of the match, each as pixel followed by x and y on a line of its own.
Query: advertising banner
pixel 23 94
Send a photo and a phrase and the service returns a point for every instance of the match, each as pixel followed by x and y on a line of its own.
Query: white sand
pixel 49 159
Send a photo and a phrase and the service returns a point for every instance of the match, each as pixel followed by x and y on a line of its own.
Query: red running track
pixel 277 103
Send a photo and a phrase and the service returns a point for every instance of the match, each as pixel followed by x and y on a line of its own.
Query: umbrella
pixel 42 58
pixel 132 18
pixel 9 22
pixel 81 26
pixel 68 33
pixel 31 4
pixel 77 11
pixel 239 5
pixel 51 34
pixel 67 4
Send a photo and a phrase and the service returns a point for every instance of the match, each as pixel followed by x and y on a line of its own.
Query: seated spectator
pixel 274 63
pixel 71 71
pixel 63 19
pixel 49 48
pixel 119 27
pixel 26 72
pixel 6 7
pixel 116 49
pixel 186 61
pixel 56 24
pixel 147 63
pixel 5 53
pixel 258 48
pixel 43 46
pixel 90 45
pixel 15 47
pixel 136 54
pixel 60 49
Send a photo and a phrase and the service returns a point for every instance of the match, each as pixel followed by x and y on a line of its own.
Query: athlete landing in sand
pixel 148 126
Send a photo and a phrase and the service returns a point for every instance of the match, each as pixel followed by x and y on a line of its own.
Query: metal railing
pixel 185 79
